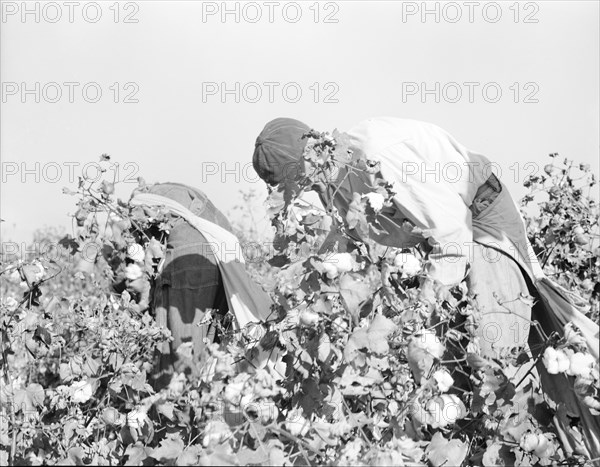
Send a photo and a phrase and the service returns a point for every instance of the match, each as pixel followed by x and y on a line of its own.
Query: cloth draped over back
pixel 247 301
pixel 436 180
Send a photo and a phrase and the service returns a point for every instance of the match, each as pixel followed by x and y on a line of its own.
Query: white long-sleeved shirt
pixel 435 179
pixel 423 163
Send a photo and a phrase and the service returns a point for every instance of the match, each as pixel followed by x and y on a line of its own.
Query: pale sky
pixel 177 55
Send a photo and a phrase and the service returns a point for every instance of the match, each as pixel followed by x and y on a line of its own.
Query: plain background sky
pixel 174 133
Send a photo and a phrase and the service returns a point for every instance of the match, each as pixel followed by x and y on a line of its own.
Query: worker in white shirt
pixel 463 212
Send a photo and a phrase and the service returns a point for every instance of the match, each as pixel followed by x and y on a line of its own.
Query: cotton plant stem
pixel 533 323
pixel 258 437
pixel 111 209
pixel 291 437
pixel 548 255
pixel 362 431
pixel 13 443
pixel 529 371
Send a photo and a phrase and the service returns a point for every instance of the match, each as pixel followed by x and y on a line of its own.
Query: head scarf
pixel 278 151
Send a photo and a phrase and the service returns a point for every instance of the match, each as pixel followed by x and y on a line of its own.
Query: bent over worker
pixel 469 220
pixel 199 275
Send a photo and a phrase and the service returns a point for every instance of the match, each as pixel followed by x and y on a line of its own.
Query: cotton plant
pixel 376 364
pixel 569 356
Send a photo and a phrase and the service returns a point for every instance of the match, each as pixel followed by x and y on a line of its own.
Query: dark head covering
pixel 278 151
pixel 192 199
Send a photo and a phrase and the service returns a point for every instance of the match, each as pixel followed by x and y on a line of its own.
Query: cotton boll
pixel 581 364
pixel 376 201
pixel 546 449
pixel 563 361
pixel 454 409
pixel 538 444
pixel 137 418
pixel 234 389
pixel 342 261
pixel 550 360
pixel 82 391
pixel 542 445
pixel 330 270
pixel 529 442
pixel 427 340
pixel 136 252
pixel 445 410
pixel 338 263
pixel 408 263
pixel 177 384
pixel 443 380
pixel 246 400
pixel 133 272
pixel 309 318
pixel 216 432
